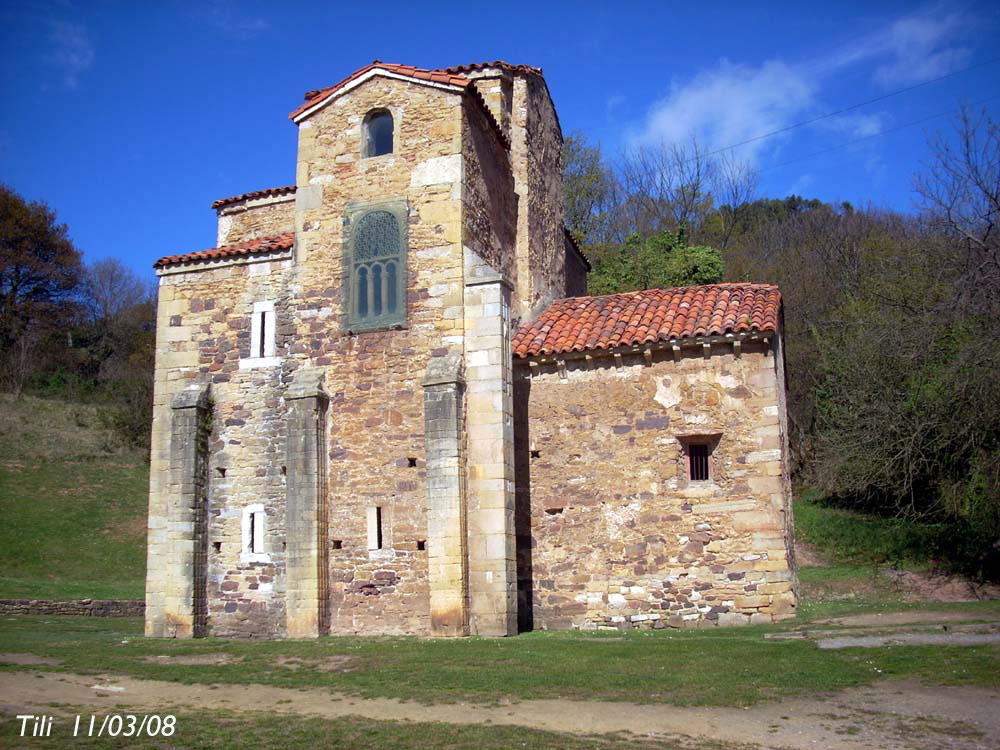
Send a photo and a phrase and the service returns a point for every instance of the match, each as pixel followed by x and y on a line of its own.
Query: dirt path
pixel 891 715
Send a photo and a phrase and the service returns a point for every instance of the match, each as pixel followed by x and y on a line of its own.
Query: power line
pixel 850 108
pixel 874 135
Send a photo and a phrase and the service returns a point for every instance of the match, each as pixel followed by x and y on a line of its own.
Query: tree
pixel 39 273
pixel 660 261
pixel 109 288
pixel 589 191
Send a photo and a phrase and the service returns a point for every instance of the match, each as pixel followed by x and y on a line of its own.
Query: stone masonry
pixel 314 475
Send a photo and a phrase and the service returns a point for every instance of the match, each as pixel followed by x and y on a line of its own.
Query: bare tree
pixel 110 287
pixel 670 186
pixel 961 197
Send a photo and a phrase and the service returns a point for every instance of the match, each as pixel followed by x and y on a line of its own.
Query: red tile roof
pixel 498 64
pixel 581 323
pixel 283 241
pixel 265 193
pixel 420 74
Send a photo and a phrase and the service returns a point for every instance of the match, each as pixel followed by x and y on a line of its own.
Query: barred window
pixel 378 129
pixel 698 470
pixel 377 270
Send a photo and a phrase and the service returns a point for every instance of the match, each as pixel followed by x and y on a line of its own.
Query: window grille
pixel 376 258
pixel 698 458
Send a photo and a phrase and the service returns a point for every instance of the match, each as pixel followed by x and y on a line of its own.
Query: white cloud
pixel 232 20
pixel 921 49
pixel 854 125
pixel 801 185
pixel 912 49
pixel 70 50
pixel 731 103
pixel 728 104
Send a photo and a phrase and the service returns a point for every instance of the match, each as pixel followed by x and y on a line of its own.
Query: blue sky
pixel 130 118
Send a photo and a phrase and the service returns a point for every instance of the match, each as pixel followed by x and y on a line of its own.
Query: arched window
pixel 378 133
pixel 377 262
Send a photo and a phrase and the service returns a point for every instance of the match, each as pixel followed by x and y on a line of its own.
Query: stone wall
pixel 251 218
pixel 77 607
pixel 372 429
pixel 611 533
pixel 203 336
pixel 376 413
pixel 489 205
pixel 536 155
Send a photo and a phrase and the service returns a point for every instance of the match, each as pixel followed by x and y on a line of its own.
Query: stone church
pixel 384 403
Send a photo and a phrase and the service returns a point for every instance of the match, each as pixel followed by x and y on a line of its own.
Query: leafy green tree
pixel 589 190
pixel 662 260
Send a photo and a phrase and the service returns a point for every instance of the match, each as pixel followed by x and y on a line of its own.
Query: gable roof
pixel 440 77
pixel 283 241
pixel 265 193
pixel 605 322
pixel 458 83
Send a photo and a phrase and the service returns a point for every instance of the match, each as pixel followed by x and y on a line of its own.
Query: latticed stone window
pixel 378 133
pixel 376 266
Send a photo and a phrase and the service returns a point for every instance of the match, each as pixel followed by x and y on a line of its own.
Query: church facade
pixel 384 404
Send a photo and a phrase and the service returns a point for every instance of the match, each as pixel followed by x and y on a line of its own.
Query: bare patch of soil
pixel 889 715
pixel 915 586
pixel 807 556
pixel 914 617
pixel 28 660
pixel 326 664
pixel 193 660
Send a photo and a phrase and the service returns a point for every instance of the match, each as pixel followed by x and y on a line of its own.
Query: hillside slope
pixel 73 502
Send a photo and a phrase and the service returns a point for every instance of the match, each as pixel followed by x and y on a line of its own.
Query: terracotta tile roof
pixel 420 74
pixel 499 64
pixel 283 241
pixel 265 193
pixel 581 323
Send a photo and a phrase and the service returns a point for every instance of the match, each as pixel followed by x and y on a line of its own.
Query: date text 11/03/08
pixel 112 725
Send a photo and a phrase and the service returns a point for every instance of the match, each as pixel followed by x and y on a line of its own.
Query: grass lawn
pixel 74 506
pixel 724 666
pixel 218 731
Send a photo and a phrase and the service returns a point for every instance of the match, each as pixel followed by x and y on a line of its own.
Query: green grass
pixel 724 666
pixel 74 506
pixel 847 536
pixel 268 731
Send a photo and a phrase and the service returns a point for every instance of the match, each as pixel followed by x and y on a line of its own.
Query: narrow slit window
pixel 254 524
pixel 698 462
pixel 262 325
pixel 375 536
pixel 262 333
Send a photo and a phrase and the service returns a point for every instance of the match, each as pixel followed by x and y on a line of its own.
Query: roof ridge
pixel 501 64
pixel 279 241
pixel 262 193
pixel 431 75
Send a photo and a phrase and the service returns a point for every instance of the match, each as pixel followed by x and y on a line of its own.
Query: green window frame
pixel 375 250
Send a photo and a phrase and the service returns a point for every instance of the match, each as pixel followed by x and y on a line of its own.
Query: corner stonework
pixel 185 612
pixel 490 457
pixel 307 603
pixel 448 573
